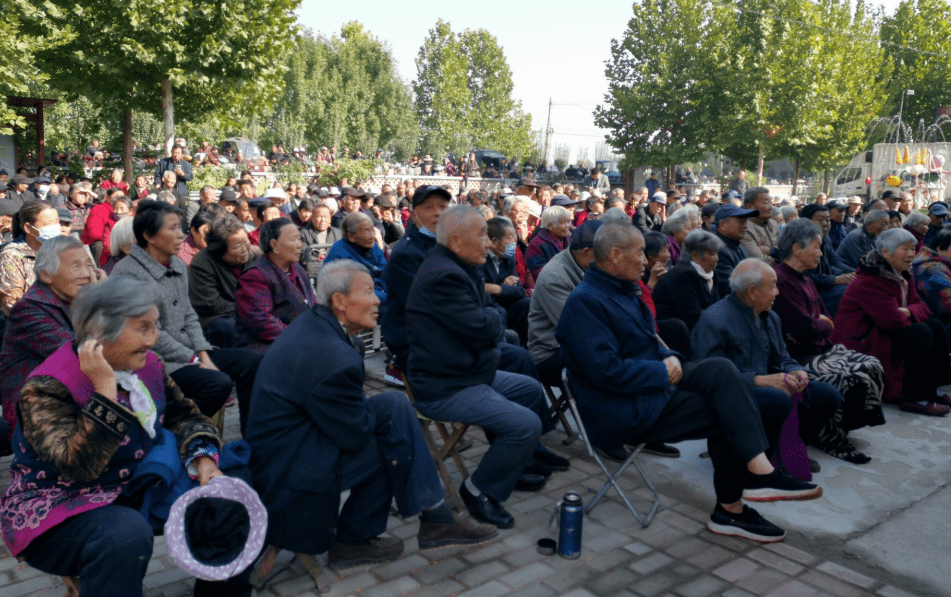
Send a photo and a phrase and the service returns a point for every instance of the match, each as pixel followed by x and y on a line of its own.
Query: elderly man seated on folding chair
pixel 314 433
pixel 631 389
pixel 454 333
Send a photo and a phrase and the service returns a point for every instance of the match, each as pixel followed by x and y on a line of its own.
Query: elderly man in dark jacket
pixel 831 276
pixel 179 167
pixel 454 333
pixel 743 328
pixel 731 223
pixel 632 389
pixel 429 202
pixel 648 217
pixel 861 241
pixel 314 433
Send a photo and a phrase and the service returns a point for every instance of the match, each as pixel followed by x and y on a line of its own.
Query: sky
pixel 556 50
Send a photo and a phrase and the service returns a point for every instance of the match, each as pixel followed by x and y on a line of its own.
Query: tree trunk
pixel 759 167
pixel 795 182
pixel 826 181
pixel 127 146
pixel 168 116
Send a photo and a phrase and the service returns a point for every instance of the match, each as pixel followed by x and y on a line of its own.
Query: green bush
pixel 215 176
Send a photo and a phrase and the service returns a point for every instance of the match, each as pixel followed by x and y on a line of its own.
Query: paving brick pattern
pixel 675 557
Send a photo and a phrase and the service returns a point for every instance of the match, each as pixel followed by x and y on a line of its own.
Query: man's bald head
pixel 462 229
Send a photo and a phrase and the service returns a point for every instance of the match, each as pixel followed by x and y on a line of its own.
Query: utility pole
pixel 547 132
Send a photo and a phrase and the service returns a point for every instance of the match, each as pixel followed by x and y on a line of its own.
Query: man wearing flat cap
pixel 18 191
pixel 650 217
pixel 351 202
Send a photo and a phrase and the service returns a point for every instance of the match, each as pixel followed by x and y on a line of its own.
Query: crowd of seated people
pixel 676 317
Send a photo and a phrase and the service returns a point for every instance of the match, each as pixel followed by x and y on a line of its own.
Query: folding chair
pixel 645 520
pixel 559 406
pixel 449 449
pixel 313 260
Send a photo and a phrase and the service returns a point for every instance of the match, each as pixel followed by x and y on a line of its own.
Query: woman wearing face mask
pixel 35 223
pixel 100 222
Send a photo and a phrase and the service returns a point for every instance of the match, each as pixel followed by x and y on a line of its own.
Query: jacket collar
pixel 745 309
pixel 443 250
pixel 728 241
pixel 324 312
pixel 416 236
pixel 154 268
pixel 597 276
pixel 40 292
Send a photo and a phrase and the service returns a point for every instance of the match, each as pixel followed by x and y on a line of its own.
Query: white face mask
pixel 47 232
pixel 43 189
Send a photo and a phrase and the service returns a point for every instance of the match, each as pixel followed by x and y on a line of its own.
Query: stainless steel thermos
pixel 569 525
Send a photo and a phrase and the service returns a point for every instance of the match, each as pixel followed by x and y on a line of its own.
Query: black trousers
pixel 924 347
pixel 712 401
pixel 210 389
pixel 676 336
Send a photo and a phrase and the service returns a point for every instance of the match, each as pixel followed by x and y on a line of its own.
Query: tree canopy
pixel 464 98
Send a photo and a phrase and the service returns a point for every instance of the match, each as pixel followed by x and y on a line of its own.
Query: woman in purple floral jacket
pixel 88 415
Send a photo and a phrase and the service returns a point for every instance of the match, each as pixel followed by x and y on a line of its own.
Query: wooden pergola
pixel 35 120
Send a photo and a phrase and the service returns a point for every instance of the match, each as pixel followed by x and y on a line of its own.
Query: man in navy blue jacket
pixel 631 389
pixel 454 333
pixel 731 223
pixel 831 277
pixel 313 433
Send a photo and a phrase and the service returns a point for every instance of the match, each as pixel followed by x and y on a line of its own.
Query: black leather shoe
pixel 661 449
pixel 529 482
pixel 486 509
pixel 554 461
pixel 538 468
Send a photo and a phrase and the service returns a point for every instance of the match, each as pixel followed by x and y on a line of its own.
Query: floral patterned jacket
pixel 75 450
pixel 16 273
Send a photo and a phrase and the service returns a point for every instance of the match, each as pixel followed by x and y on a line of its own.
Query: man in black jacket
pixel 177 165
pixel 454 333
pixel 314 433
pixel 647 217
pixel 501 280
pixel 19 189
pixel 731 229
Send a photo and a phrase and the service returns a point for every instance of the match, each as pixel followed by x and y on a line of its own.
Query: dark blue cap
pixel 734 211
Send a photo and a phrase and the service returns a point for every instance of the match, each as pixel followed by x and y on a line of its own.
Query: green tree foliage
pixel 690 77
pixel 464 98
pixel 924 25
pixel 661 83
pixel 342 91
pixel 17 70
pixel 207 54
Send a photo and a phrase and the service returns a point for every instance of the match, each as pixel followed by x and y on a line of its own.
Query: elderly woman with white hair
pixel 677 226
pixel 689 287
pixel 807 328
pixel 121 239
pixel 518 209
pixel 359 244
pixel 881 315
pixel 917 223
pixel 39 322
pixel 551 239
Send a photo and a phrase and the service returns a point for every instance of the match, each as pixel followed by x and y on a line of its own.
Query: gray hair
pixel 699 242
pixel 82 185
pixel 102 310
pixel 876 215
pixel 512 201
pixel 169 175
pixel 893 238
pixel 612 236
pixel 749 272
pixel 121 236
pixel 336 277
pixel 787 212
pixel 487 211
pixel 553 215
pixel 454 220
pixel 798 232
pixel 351 223
pixel 615 215
pixel 677 222
pixel 916 219
pixel 167 197
pixel 47 258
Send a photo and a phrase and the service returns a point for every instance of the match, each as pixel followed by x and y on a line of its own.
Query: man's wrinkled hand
pixel 674 371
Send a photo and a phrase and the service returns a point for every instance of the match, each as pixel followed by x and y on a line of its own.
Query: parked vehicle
pixel 921 168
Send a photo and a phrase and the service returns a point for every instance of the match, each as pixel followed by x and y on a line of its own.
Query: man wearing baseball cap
pixel 648 217
pixel 837 213
pixel 731 221
pixel 938 214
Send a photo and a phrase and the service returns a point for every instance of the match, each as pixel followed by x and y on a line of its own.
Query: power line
pixel 830 30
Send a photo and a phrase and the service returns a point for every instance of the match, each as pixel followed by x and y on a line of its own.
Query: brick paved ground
pixel 675 556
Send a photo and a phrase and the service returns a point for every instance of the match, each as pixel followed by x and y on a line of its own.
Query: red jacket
pixel 868 315
pixel 99 228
